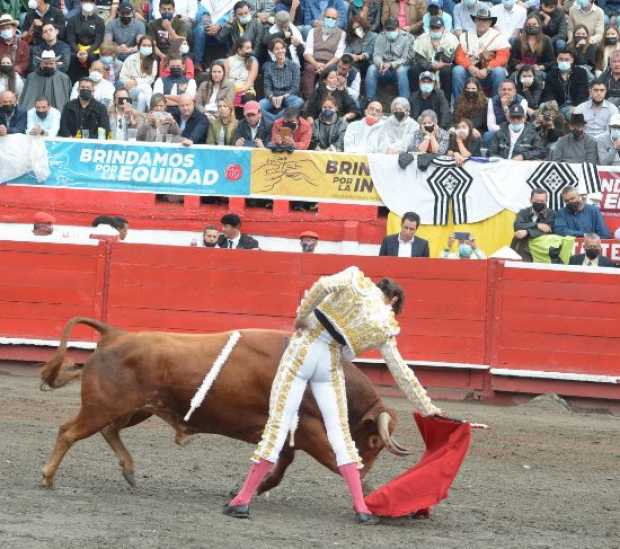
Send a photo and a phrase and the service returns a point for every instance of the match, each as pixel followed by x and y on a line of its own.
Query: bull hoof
pixel 130 478
pixel 47 483
pixel 182 439
pixel 366 519
pixel 237 511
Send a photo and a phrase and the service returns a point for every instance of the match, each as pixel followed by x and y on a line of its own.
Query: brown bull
pixel 132 376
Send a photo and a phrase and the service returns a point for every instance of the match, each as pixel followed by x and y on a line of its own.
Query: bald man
pixel 193 123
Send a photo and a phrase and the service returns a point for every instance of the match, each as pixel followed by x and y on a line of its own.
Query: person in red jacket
pixel 12 46
pixel 482 53
pixel 291 130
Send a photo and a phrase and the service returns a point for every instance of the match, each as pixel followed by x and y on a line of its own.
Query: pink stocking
pixel 258 471
pixel 351 475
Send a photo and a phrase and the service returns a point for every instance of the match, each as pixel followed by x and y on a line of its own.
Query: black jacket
pixel 577 86
pixel 18 121
pixel 243 130
pixel 436 102
pixel 230 32
pixel 91 118
pixel 558 26
pixel 525 221
pixel 196 126
pixel 545 58
pixel 529 144
pixel 389 247
pixel 246 242
pixel 580 258
pixel 344 102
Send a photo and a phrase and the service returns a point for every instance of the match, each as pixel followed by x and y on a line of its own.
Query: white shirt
pixel 509 21
pixel 492 124
pixel 292 49
pixel 359 137
pixel 513 139
pixel 50 125
pixel 235 241
pixel 461 16
pixel 104 91
pixel 404 248
pixel 310 44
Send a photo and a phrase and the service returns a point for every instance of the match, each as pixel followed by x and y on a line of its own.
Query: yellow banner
pixel 317 176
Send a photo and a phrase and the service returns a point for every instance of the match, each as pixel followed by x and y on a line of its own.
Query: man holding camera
pixel 467 247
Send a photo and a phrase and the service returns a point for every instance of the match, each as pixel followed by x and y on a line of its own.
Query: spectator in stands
pixel 324 46
pixel 241 69
pixel 482 54
pixel 308 241
pixel 584 12
pixel 312 12
pixel 499 106
pixel 463 15
pixel 597 111
pixel 429 137
pixel 348 77
pixel 103 90
pixel 467 249
pixel 368 10
pixel 405 243
pixel 510 18
pixel 397 131
pixel 360 136
pixel 517 140
pixel 39 13
pixel 243 24
pixel 472 105
pixel 85 31
pixel 42 119
pixel 566 84
pixel 291 131
pixel 210 236
pixel 281 83
pixel 175 85
pixel 328 128
pixel 532 48
pixel 390 60
pixel 84 116
pixel 48 82
pixel 252 131
pixel 554 23
pixel 360 43
pixel 583 51
pixel 434 51
pixel 9 79
pixel 185 10
pixel 166 29
pixel 284 29
pixel 463 142
pixel 115 221
pixel 13 119
pixel 108 55
pixel 592 253
pixel 408 14
pixel 435 9
pixel 125 30
pixel 549 123
pixel 610 43
pixel 529 87
pixel 43 224
pixel 608 143
pixel 49 41
pixel 531 222
pixel 329 88
pixel 122 115
pixel 192 123
pixel 611 77
pixel 158 125
pixel 222 127
pixel 577 146
pixel 577 218
pixel 232 237
pixel 12 46
pixel 214 89
pixel 139 73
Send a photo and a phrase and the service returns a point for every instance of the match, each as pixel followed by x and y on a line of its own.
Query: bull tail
pixel 54 374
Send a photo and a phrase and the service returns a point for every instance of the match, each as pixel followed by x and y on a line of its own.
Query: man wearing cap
pixel 12 118
pixel 435 9
pixel 48 82
pixel 510 18
pixel 390 60
pixel 596 111
pixel 308 241
pixel 252 131
pixel 43 224
pixel 361 135
pixel 428 97
pixel 462 16
pixel 13 47
pixel 483 54
pixel 608 143
pixel 39 13
pixel 576 146
pixel 50 42
pixel 85 31
pixel 124 30
pixel 434 51
pixel 517 140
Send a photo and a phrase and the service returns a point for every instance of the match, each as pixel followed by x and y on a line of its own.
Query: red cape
pixel 426 483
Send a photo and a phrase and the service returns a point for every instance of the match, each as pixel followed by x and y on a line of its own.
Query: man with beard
pixel 48 82
pixel 597 111
pixel 50 42
pixel 43 120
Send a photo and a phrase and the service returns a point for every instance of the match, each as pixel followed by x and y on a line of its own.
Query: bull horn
pixel 383 426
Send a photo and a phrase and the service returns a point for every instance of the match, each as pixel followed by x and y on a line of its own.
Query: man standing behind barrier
pixel 405 243
pixel 592 253
pixel 231 234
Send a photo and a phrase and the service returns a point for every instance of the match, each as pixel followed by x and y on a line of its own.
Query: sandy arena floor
pixel 542 477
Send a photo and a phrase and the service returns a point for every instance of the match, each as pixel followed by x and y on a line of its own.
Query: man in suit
pixel 405 243
pixel 592 256
pixel 231 234
pixel 191 121
pixel 532 222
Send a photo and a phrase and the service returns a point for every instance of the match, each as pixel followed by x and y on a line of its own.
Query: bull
pixel 132 376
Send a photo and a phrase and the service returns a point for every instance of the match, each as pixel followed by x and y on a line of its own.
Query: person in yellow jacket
pixel 341 316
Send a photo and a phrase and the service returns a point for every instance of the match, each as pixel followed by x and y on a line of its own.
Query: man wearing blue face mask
pixel 435 9
pixel 566 84
pixel 510 18
pixel 516 139
pixel 428 97
pixel 313 10
pixel 584 12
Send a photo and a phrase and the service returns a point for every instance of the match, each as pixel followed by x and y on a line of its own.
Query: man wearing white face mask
pixel 510 18
pixel 13 47
pixel 584 12
pixel 103 90
pixel 243 24
pixel 85 31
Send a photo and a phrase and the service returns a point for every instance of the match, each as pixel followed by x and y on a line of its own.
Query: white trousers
pixel 313 357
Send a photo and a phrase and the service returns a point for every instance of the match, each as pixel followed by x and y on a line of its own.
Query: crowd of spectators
pixel 538 79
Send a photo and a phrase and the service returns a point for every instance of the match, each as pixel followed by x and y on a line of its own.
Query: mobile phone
pixel 461 236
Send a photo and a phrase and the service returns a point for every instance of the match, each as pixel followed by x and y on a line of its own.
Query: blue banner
pixel 155 168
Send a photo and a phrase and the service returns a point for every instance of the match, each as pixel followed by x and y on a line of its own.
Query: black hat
pixel 485 14
pixel 391 24
pixel 436 21
pixel 516 110
pixel 577 119
pixel 125 8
